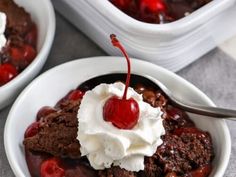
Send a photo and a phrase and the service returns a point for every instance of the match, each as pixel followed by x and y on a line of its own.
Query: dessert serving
pixel 18 39
pixel 158 11
pixel 105 128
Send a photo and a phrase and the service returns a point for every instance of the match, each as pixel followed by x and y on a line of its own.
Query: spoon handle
pixel 207 111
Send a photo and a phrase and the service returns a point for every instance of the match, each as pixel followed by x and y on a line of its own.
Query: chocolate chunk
pixel 152 168
pixel 57 135
pixel 183 153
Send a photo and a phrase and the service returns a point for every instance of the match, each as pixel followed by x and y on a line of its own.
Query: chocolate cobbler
pixel 158 11
pixel 21 38
pixel 115 127
pixel 51 146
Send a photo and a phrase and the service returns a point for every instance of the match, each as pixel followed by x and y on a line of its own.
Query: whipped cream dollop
pixel 3 22
pixel 106 145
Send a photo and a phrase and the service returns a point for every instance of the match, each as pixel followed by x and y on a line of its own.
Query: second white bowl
pixel 42 13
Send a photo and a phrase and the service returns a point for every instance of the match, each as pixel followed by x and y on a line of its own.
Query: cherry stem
pixel 116 43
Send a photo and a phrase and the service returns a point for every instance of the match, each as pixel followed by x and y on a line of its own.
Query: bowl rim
pixel 129 24
pixel 46 46
pixel 7 141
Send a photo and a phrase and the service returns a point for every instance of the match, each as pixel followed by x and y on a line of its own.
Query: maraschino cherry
pixel 121 112
pixel 51 168
pixel 154 6
pixel 44 111
pixel 7 73
pixel 32 130
pixel 75 95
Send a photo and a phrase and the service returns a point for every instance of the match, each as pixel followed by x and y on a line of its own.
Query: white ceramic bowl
pixel 172 45
pixel 42 13
pixel 61 79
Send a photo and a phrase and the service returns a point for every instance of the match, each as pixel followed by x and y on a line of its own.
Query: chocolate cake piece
pixel 116 172
pixel 68 105
pixel 151 169
pixel 18 19
pixel 189 150
pixel 56 135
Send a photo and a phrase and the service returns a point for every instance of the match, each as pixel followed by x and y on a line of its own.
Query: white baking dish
pixel 172 45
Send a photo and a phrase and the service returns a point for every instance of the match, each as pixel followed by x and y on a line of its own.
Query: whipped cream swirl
pixel 3 22
pixel 106 145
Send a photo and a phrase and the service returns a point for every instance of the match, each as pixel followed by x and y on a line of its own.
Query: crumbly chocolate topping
pixel 57 135
pixel 18 20
pixel 185 148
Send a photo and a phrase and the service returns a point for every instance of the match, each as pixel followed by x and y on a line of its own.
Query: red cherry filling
pixel 174 113
pixel 20 49
pixel 51 168
pixel 44 111
pixel 154 6
pixel 201 171
pixel 122 4
pixel 29 53
pixel 153 11
pixel 22 56
pixel 122 113
pixel 116 110
pixel 75 95
pixel 34 161
pixel 7 73
pixel 32 130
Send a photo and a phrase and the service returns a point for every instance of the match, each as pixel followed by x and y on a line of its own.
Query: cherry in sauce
pixel 7 73
pixel 44 165
pixel 51 168
pixel 18 53
pixel 158 11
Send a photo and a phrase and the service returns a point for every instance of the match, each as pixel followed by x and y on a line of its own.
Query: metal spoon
pixel 214 112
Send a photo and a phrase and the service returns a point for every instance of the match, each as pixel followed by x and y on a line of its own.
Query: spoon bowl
pixel 114 77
